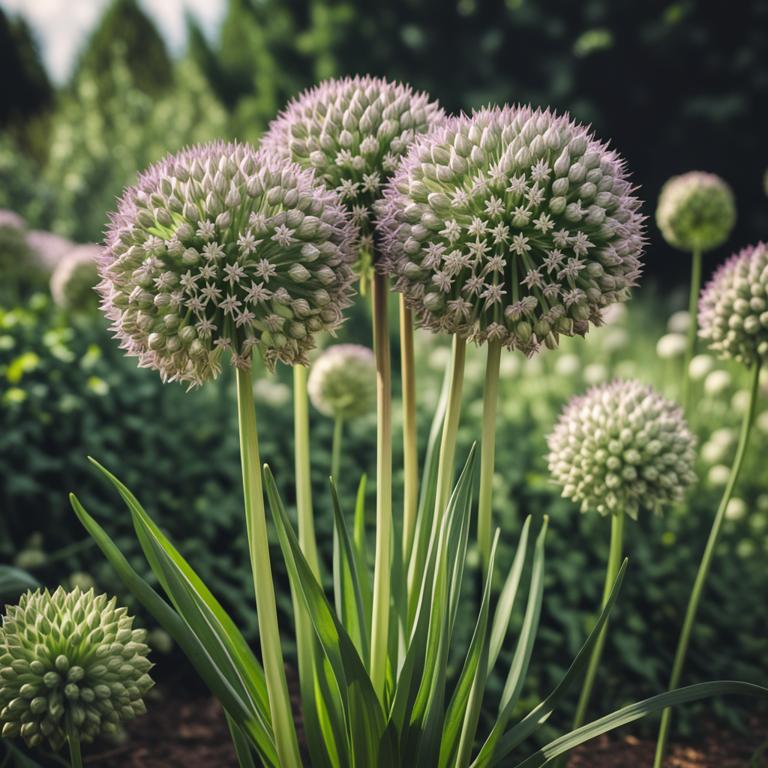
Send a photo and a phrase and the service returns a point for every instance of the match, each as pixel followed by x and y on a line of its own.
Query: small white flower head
pixel 622 447
pixel 733 309
pixel 69 656
pixel 696 211
pixel 342 381
pixel 73 282
pixel 512 224
pixel 671 345
pixel 222 248
pixel 352 132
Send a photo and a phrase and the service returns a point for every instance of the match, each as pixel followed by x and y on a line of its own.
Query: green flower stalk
pixel 511 226
pixel 733 320
pixel 695 213
pixel 342 386
pixel 72 666
pixel 224 249
pixel 618 449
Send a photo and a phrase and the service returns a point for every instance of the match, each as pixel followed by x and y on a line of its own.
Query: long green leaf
pixel 349 599
pixel 241 744
pixel 180 631
pixel 462 716
pixel 361 552
pixel 637 711
pixel 541 713
pixel 362 713
pixel 195 602
pixel 14 581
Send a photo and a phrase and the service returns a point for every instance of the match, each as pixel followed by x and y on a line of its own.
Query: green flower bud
pixel 69 657
pixel 342 382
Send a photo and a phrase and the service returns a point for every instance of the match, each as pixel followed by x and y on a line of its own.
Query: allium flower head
pixel 69 656
pixel 222 247
pixel 342 381
pixel 622 447
pixel 74 279
pixel 733 309
pixel 695 211
pixel 48 248
pixel 353 132
pixel 511 224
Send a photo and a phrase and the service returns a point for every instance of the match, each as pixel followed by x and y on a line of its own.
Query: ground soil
pixel 190 732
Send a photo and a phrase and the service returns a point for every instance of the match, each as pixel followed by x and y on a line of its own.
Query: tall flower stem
pixel 410 444
pixel 304 511
pixel 488 450
pixel 338 434
pixel 381 573
pixel 446 459
pixel 706 562
pixel 612 570
pixel 693 306
pixel 73 741
pixel 258 548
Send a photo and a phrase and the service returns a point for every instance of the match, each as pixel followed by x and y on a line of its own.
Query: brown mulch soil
pixel 192 733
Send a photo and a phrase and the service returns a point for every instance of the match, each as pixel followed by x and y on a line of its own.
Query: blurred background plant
pixel 66 391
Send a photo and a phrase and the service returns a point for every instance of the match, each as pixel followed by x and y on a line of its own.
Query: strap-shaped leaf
pixel 541 713
pixel 637 711
pixel 462 716
pixel 196 604
pixel 362 713
pixel 14 581
pixel 186 639
pixel 346 581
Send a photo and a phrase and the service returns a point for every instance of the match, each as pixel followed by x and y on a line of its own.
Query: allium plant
pixel 733 321
pixel 618 449
pixel 373 662
pixel 695 213
pixel 511 226
pixel 342 385
pixel 352 132
pixel 71 667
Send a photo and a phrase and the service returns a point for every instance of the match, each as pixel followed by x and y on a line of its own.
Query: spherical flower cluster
pixel 69 657
pixel 622 447
pixel 74 279
pixel 512 224
pixel 342 382
pixel 48 248
pixel 733 309
pixel 222 247
pixel 353 132
pixel 696 211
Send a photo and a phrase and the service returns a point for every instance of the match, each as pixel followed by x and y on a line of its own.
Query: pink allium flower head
pixel 733 309
pixel 696 211
pixel 222 248
pixel 622 447
pixel 512 224
pixel 48 248
pixel 353 132
pixel 74 279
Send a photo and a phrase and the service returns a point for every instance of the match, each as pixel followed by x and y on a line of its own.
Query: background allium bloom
pixel 69 655
pixel 511 224
pixel 733 309
pixel 353 132
pixel 222 247
pixel 74 279
pixel 696 211
pixel 342 381
pixel 622 447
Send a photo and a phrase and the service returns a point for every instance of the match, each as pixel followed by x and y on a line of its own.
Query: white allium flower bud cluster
pixel 622 447
pixel 69 657
pixel 342 382
pixel 74 278
pixel 511 224
pixel 733 309
pixel 696 211
pixel 221 248
pixel 352 132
